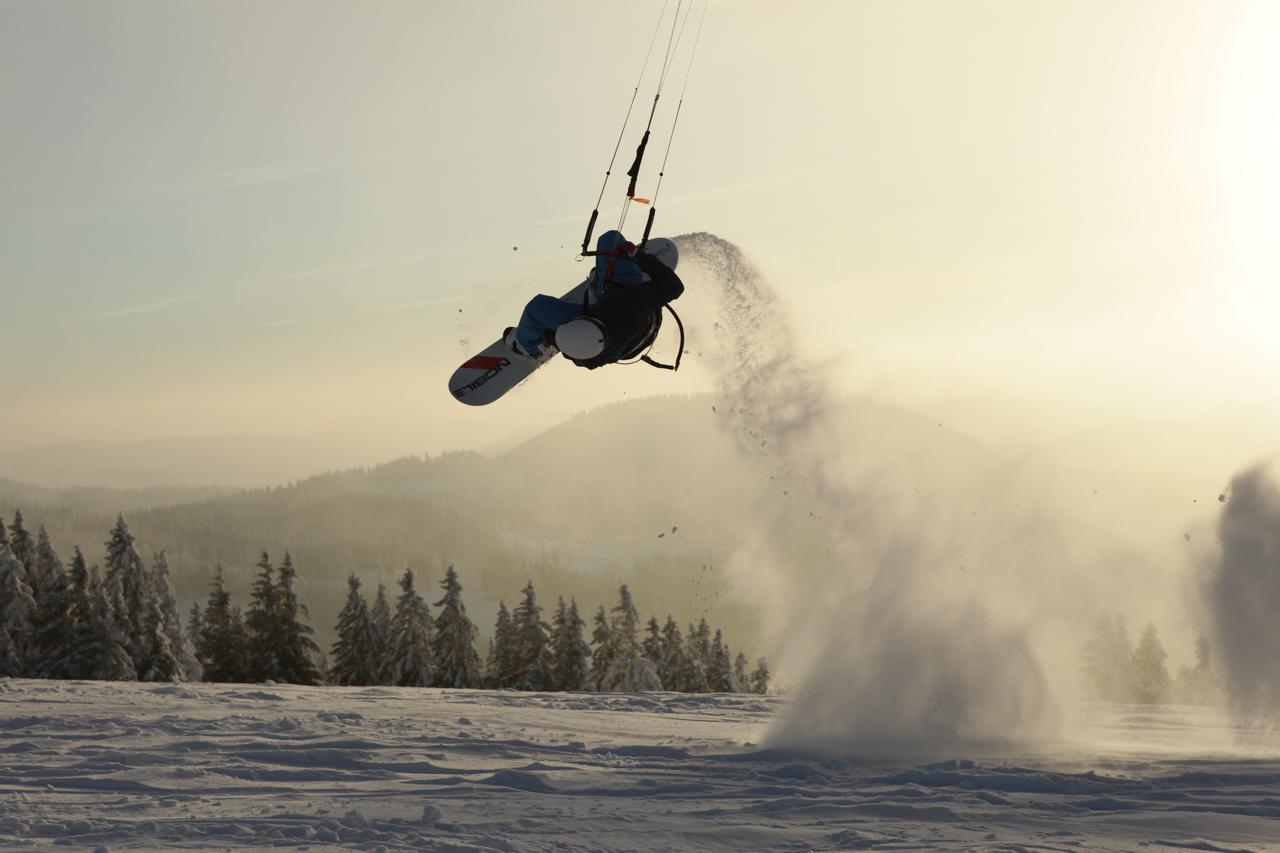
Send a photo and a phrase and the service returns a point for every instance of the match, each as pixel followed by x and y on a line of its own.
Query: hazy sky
pixel 241 217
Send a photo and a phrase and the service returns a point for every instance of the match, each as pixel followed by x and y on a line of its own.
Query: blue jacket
pixel 613 269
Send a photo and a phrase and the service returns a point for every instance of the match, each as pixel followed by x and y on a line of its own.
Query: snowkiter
pixel 620 316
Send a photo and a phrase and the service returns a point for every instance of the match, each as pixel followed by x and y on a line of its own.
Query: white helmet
pixel 581 339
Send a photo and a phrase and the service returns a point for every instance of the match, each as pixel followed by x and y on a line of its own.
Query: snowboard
pixel 495 370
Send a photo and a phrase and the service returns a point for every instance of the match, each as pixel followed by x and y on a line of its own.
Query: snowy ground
pixel 252 766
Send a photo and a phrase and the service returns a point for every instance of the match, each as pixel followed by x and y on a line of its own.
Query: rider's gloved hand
pixel 627 248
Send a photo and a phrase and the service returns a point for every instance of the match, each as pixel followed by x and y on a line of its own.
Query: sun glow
pixel 1238 310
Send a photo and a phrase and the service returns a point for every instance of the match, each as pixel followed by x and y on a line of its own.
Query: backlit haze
pixel 237 218
pixel 983 304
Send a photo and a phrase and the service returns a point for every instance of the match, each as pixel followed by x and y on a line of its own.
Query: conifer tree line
pixel 1116 670
pixel 528 653
pixel 77 621
pixel 122 623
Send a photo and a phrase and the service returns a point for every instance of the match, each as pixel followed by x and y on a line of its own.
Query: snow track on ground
pixel 91 764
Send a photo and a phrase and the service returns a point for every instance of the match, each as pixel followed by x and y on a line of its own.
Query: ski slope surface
pixel 113 765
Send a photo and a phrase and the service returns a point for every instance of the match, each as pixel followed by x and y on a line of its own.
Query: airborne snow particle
pixel 674 529
pixel 660 535
pixel 1222 498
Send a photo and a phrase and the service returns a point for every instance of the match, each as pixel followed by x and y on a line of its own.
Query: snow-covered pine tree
pixel 264 610
pixel 532 650
pixel 380 615
pixel 189 668
pixel 118 645
pixel 652 648
pixel 17 606
pixel 456 663
pixel 95 650
pixel 48 568
pixel 700 637
pixel 760 677
pixel 674 660
pixel 1151 682
pixel 1108 661
pixel 1198 685
pixel 195 628
pixel 409 657
pixel 222 642
pixel 52 625
pixel 720 676
pixel 571 656
pixel 127 586
pixel 499 671
pixel 23 548
pixel 354 663
pixel 296 652
pixel 698 650
pixel 116 612
pixel 741 678
pixel 557 618
pixel 631 671
pixel 159 662
pixel 77 658
pixel 603 650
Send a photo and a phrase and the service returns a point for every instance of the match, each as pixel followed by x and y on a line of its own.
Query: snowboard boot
pixel 543 353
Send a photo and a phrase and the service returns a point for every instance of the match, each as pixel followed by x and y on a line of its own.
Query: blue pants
pixel 544 314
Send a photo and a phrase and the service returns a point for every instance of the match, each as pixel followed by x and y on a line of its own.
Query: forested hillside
pixel 603 499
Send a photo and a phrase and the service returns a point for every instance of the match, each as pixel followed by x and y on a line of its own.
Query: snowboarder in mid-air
pixel 616 320
pixel 614 315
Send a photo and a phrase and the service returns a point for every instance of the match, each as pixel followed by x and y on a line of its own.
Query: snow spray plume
pixel 1244 595
pixel 895 663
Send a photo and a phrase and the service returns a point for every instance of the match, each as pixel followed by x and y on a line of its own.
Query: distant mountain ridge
pixel 224 461
pixel 103 500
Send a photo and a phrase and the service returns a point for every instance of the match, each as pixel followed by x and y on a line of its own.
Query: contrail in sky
pixel 155 304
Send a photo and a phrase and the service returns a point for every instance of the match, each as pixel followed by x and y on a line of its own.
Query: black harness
pixel 657 324
pixel 638 347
